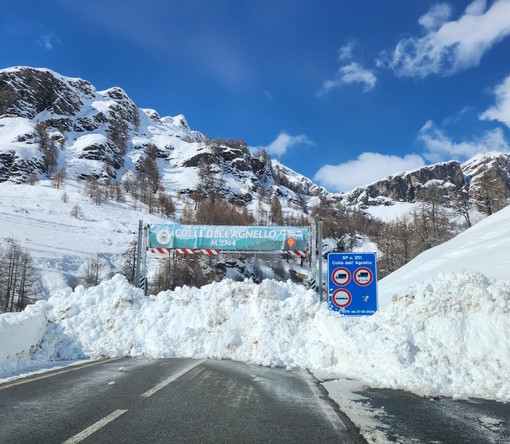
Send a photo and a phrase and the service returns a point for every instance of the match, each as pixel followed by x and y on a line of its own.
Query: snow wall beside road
pixel 446 336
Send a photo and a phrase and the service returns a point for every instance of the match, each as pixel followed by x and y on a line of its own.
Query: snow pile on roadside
pixel 482 248
pixel 443 337
pixel 447 336
pixel 20 333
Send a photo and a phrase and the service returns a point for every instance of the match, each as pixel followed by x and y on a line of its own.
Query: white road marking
pixel 55 373
pixel 94 427
pixel 326 408
pixel 171 379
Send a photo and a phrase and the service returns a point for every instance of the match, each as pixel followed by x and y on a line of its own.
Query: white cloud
pixel 48 41
pixel 450 46
pixel 283 142
pixel 437 15
pixel 352 73
pixel 371 167
pixel 345 52
pixel 439 147
pixel 501 110
pixel 458 116
pixel 367 168
pixel 268 95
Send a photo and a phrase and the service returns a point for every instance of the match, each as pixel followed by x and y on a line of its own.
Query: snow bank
pixel 20 333
pixel 447 336
pixel 444 337
pixel 226 320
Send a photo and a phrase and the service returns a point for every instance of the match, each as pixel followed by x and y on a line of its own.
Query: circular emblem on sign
pixel 163 236
pixel 291 242
pixel 363 276
pixel 341 276
pixel 341 298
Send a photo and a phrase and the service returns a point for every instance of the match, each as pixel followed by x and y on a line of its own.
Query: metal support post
pixel 144 258
pixel 138 253
pixel 319 240
pixel 313 257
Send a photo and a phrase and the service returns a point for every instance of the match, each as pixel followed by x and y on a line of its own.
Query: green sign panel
pixel 229 238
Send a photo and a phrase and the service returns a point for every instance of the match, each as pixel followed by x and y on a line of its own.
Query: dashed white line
pixel 94 427
pixel 107 419
pixel 171 379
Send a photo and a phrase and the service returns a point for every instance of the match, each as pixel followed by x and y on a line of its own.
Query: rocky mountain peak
pixel 27 92
pixel 405 187
pixel 151 114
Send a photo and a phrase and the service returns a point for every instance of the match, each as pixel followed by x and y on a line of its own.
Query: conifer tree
pixel 276 214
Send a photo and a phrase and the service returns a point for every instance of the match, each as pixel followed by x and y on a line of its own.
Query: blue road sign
pixel 352 283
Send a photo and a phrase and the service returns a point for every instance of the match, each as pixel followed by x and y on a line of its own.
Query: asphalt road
pixel 171 400
pixel 408 418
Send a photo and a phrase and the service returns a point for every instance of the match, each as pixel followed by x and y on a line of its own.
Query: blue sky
pixel 344 92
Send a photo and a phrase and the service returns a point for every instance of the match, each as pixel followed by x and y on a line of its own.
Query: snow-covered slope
pixel 483 248
pixel 81 121
pixel 38 219
pixel 483 170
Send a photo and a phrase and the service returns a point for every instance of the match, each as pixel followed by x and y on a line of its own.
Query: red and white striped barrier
pixel 161 250
pixel 211 252
pixel 184 251
pixel 169 250
pixel 297 253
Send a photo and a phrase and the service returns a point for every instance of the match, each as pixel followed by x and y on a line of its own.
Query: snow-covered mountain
pixel 474 177
pixel 104 134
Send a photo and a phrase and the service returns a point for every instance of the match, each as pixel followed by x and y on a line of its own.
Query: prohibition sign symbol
pixel 341 276
pixel 341 298
pixel 363 276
